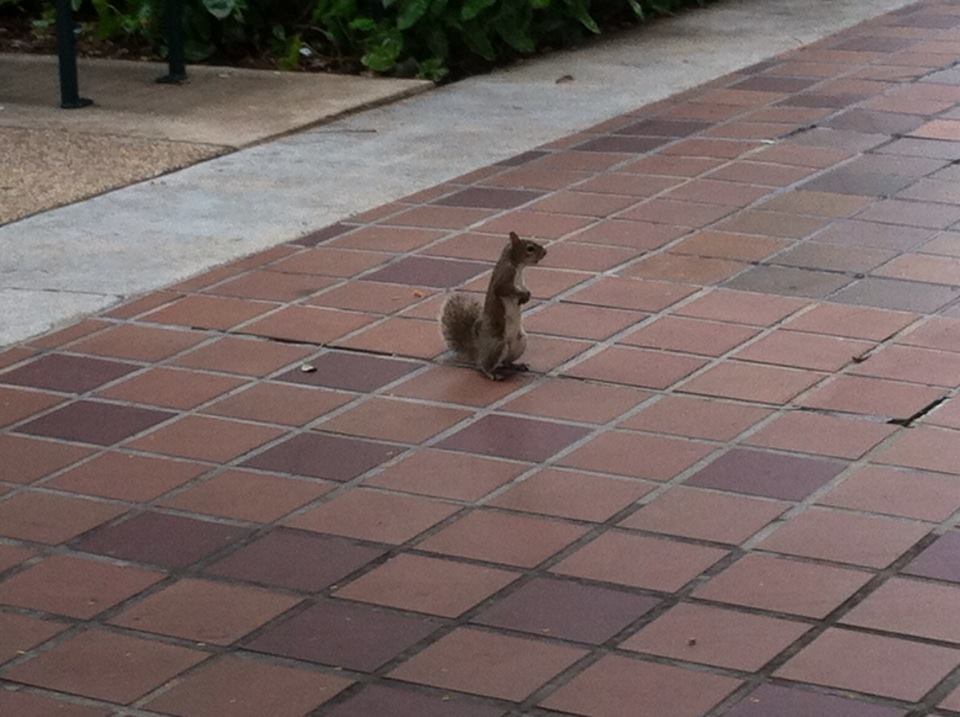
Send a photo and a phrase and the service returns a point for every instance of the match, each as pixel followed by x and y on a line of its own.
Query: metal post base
pixel 75 104
pixel 172 79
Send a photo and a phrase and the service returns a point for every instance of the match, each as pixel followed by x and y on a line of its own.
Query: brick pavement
pixel 731 486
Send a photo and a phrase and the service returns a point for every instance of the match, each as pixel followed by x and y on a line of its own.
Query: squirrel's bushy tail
pixel 459 324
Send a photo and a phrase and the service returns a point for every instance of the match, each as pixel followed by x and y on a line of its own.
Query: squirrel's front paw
pixel 523 297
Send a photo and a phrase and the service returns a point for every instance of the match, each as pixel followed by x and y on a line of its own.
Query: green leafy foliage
pixel 430 38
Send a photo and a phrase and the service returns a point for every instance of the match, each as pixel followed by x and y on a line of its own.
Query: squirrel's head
pixel 525 251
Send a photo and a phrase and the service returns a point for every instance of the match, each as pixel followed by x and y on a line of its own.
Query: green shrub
pixel 424 37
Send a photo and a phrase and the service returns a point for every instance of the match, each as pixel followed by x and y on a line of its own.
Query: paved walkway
pixel 731 487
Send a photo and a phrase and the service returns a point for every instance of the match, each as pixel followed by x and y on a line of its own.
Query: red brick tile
pixel 770 175
pixel 95 422
pixel 938 129
pixel 919 267
pixel 801 156
pixel 580 321
pixel 140 343
pixel 569 494
pixel 714 191
pixel 469 245
pixel 429 585
pixel 747 382
pixel 538 225
pixel 631 294
pixel 68 334
pixel 106 666
pixel 209 312
pixel 244 356
pixel 11 555
pixel 906 363
pixel 686 268
pixel 871 396
pixel 915 214
pixel 386 239
pixel 636 367
pixel 781 585
pixel 447 475
pixel 16 405
pixel 21 633
pixel 527 177
pixel 821 204
pixel 171 388
pixel 947 415
pixel 639 561
pixel 469 660
pixel 544 353
pixel 126 477
pixel 872 664
pixel 279 403
pixel 726 245
pixel 581 203
pixel 68 374
pixel 75 587
pixel 893 608
pixel 715 148
pixel 436 217
pixel 843 537
pixel 248 688
pixel 821 435
pixel 819 353
pixel 617 686
pixel 496 537
pixel 327 261
pixel 628 234
pixel 925 448
pixel 52 519
pixel 637 455
pixel 659 164
pixel 676 213
pixel 308 324
pixel 724 638
pixel 635 185
pixel 937 332
pixel 910 494
pixel 374 516
pixel 15 355
pixel 219 614
pixel 742 307
pixel 244 495
pixel 394 420
pixel 205 439
pixel 707 338
pixel 705 515
pixel 860 322
pixel 577 401
pixel 952 701
pixel 696 418
pixel 450 384
pixel 272 286
pixel 772 224
pixel 401 337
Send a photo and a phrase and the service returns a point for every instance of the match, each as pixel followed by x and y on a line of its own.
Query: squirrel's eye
pixel 530 249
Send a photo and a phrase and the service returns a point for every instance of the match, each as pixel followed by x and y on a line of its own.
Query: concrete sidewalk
pixel 59 265
pixel 729 487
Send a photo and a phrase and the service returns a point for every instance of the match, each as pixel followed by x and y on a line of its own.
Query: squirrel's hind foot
pixel 520 367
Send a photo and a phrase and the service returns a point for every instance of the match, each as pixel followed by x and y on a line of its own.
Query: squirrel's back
pixel 459 323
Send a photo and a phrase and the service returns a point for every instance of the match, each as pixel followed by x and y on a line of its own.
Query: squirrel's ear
pixel 514 239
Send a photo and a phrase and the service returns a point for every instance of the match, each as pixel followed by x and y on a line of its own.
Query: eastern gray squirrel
pixel 491 336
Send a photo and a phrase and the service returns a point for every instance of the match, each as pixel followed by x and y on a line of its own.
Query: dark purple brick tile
pixel 509 437
pixel 321 235
pixel 768 474
pixel 323 456
pixel 94 422
pixel 820 101
pixel 295 560
pixel 774 701
pixel 850 181
pixel 629 144
pixel 896 294
pixel 70 374
pixel 350 371
pixel 424 271
pixel 786 281
pixel 489 198
pixel 940 561
pixel 664 128
pixel 344 635
pixel 167 540
pixel 382 701
pixel 874 122
pixel 522 158
pixel 567 610
pixel 772 83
